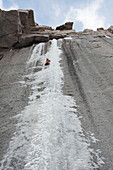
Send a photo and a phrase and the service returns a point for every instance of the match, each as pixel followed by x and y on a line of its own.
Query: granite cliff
pixel 87 63
pixel 19 29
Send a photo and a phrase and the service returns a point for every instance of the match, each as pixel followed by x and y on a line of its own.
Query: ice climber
pixel 47 61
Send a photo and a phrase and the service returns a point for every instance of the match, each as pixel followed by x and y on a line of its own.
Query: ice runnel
pixel 49 135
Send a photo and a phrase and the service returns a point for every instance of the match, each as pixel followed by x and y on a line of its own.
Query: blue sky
pixel 84 13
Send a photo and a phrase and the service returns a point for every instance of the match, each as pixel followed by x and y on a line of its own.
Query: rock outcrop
pixel 13 24
pixel 66 26
pixel 9 28
pixel 100 29
pixel 18 29
pixel 88 31
pixel 26 20
pixel 110 29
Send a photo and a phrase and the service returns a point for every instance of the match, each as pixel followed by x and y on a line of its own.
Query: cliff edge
pixel 18 29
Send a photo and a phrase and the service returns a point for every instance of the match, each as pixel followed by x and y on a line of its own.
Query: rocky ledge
pixel 18 29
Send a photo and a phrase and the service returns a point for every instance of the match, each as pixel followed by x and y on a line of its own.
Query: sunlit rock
pixel 110 29
pixel 88 31
pixel 66 26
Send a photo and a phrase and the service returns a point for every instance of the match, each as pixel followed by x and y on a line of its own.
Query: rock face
pixel 66 26
pixel 110 29
pixel 13 24
pixel 9 28
pixel 26 19
pixel 18 29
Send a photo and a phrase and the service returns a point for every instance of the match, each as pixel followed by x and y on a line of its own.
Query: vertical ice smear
pixel 49 134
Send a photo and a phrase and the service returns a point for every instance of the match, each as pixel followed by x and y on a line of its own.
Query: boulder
pixel 100 29
pixel 66 26
pixel 110 29
pixel 88 31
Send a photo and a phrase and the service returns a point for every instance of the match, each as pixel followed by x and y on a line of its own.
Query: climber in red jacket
pixel 47 62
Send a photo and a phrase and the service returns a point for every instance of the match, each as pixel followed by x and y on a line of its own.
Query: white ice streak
pixel 68 38
pixel 107 36
pixel 49 134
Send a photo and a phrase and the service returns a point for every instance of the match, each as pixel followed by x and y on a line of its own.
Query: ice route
pixel 48 134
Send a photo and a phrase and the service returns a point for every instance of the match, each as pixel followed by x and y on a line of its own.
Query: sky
pixel 90 14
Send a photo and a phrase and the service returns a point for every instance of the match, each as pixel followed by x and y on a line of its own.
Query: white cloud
pixel 88 15
pixel 56 9
pixel 1 3
pixel 13 6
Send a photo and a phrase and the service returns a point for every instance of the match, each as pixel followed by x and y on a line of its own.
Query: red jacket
pixel 47 61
